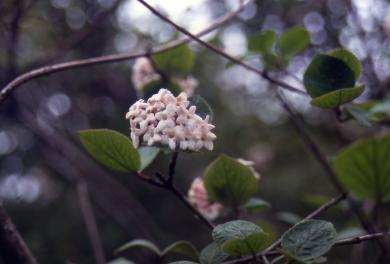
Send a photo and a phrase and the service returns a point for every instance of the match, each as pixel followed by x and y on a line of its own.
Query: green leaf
pixel 240 237
pixel 182 247
pixel 338 97
pixel 139 243
pixel 212 254
pixel 262 42
pixel 289 218
pixel 202 107
pixel 309 240
pixel 293 41
pixel 349 58
pixel 272 61
pixel 250 246
pixel 326 74
pixel 229 182
pixel 256 204
pixel 370 112
pixel 147 155
pixel 364 168
pixel 111 148
pixel 178 60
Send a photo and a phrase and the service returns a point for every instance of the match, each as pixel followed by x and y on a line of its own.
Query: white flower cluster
pixel 144 73
pixel 165 119
pixel 197 196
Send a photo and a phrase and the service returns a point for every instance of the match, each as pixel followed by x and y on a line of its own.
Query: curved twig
pixel 47 70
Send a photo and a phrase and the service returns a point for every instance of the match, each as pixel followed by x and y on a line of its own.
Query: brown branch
pixel 90 222
pixel 217 50
pixel 360 239
pixel 47 70
pixel 13 248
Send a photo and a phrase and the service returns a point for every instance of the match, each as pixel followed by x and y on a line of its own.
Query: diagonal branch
pixel 217 50
pixel 13 248
pixel 50 69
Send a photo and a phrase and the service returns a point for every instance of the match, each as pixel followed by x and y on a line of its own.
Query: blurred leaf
pixel 153 87
pixel 182 247
pixel 350 232
pixel 349 58
pixel 139 243
pixel 289 218
pixel 337 98
pixel 183 262
pixel 309 240
pixel 212 254
pixel 364 168
pixel 147 155
pixel 326 74
pixel 239 238
pixel 269 229
pixel 370 112
pixel 120 261
pixel 111 148
pixel 262 42
pixel 229 182
pixel 293 41
pixel 178 60
pixel 271 61
pixel 256 204
pixel 202 107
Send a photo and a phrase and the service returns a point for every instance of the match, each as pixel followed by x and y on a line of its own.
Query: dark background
pixel 40 156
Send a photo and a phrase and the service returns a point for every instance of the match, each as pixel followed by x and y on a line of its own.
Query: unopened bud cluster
pixel 144 73
pixel 168 120
pixel 197 196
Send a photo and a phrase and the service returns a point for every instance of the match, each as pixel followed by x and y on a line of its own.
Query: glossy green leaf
pixel 326 74
pixel 139 243
pixel 337 98
pixel 183 248
pixel 293 41
pixel 147 156
pixel 262 42
pixel 239 237
pixel 256 204
pixel 309 240
pixel 203 109
pixel 364 168
pixel 111 148
pixel 212 254
pixel 229 182
pixel 349 58
pixel 178 60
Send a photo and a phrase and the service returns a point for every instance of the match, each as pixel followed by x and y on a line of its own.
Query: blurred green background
pixel 40 155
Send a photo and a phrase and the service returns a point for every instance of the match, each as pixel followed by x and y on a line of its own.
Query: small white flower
pixel 167 120
pixel 250 164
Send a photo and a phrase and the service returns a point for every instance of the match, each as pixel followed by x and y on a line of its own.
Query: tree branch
pixel 90 222
pixel 217 50
pixel 47 70
pixel 13 248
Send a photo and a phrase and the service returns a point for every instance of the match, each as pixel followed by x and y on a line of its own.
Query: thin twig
pixel 269 251
pixel 90 222
pixel 13 248
pixel 172 166
pixel 217 50
pixel 47 70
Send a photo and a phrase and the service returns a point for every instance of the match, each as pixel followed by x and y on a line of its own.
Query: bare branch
pixel 90 222
pixel 13 248
pixel 217 50
pixel 47 70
